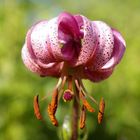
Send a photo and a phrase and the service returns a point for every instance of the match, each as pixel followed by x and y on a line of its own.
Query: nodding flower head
pixel 72 48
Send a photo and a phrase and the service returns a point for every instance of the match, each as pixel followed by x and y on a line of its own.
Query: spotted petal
pixel 97 76
pixel 118 51
pixel 104 44
pixel 88 42
pixel 37 44
pixel 51 69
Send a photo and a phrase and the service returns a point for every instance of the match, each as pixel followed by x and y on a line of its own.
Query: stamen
pixel 78 88
pixel 64 78
pixel 70 83
pixel 85 91
pixel 44 98
pixel 101 110
pixel 52 116
pixel 36 108
pixel 54 101
pixel 82 97
pixel 77 85
pixel 59 83
pixel 85 103
pixel 63 82
pixel 93 99
pixel 52 107
pixel 83 117
pixel 82 87
pixel 58 86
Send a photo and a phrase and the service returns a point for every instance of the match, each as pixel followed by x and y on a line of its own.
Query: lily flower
pixel 71 48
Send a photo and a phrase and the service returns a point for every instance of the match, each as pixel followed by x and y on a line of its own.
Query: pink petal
pixel 97 76
pixel 52 39
pixel 40 44
pixel 37 42
pixel 88 41
pixel 119 49
pixel 69 35
pixel 105 44
pixel 51 69
pixel 68 51
pixel 79 20
pixel 67 25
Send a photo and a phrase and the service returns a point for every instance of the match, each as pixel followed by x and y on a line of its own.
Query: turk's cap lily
pixel 90 49
pixel 73 48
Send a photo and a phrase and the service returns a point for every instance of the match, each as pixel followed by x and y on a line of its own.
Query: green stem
pixel 75 115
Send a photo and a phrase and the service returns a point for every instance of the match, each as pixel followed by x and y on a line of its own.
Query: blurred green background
pixel 18 86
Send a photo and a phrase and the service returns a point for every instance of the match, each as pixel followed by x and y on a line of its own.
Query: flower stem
pixel 75 115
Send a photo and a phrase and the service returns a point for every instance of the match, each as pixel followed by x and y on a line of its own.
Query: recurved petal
pixel 118 51
pixel 88 42
pixel 54 43
pixel 105 44
pixel 68 35
pixel 50 69
pixel 38 43
pixel 97 76
pixel 60 47
pixel 80 21
pixel 67 25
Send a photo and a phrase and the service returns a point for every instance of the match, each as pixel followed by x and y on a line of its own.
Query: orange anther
pixel 36 108
pixel 101 110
